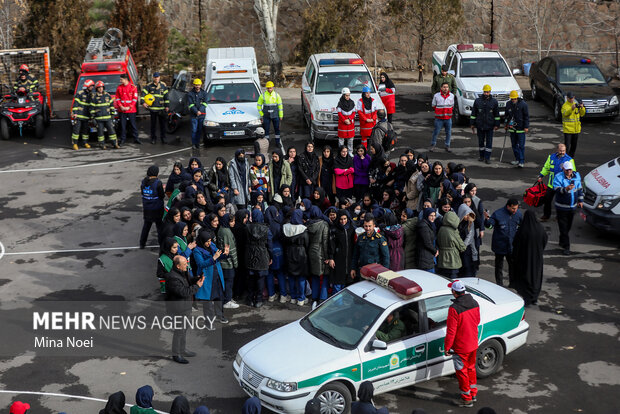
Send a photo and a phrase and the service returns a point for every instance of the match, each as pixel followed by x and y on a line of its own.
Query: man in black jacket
pixel 308 167
pixel 179 293
pixel 152 192
pixel 258 256
pixel 485 117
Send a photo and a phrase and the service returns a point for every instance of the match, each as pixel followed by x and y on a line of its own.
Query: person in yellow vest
pixel 571 122
pixel 270 109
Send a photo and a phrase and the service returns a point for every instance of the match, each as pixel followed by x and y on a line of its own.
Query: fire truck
pixel 105 61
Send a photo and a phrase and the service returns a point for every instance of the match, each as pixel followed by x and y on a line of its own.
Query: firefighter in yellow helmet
pixel 197 104
pixel 158 108
pixel 517 123
pixel 270 109
pixel 485 117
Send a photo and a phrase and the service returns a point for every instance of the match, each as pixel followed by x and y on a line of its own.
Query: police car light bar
pixel 232 71
pixel 101 67
pixel 400 285
pixel 586 61
pixel 476 47
pixel 330 62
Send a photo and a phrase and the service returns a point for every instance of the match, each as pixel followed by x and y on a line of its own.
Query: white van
pixel 233 88
pixel 601 200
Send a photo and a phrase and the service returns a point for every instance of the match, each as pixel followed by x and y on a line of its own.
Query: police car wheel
pixel 335 398
pixel 489 359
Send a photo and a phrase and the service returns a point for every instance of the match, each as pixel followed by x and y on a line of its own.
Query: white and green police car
pixel 328 353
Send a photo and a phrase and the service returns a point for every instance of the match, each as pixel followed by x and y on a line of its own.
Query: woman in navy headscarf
pixel 276 270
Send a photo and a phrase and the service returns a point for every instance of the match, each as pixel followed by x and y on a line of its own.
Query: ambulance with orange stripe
pixel 328 353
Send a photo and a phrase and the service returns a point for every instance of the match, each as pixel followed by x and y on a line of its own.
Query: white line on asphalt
pixel 94 249
pixel 94 164
pixel 1 250
pixel 55 394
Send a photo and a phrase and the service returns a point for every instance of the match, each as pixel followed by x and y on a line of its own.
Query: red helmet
pixel 88 83
pixel 24 68
pixel 99 83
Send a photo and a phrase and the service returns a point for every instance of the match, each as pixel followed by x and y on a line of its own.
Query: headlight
pixel 608 202
pixel 469 95
pixel 282 386
pixel 255 122
pixel 324 116
pixel 211 124
pixel 238 359
pixel 613 100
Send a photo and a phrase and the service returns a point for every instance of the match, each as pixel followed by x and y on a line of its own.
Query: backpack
pixel 390 138
pixel 534 195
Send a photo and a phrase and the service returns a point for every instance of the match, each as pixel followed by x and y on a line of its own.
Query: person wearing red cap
pixel 26 80
pixel 462 341
pixel 19 407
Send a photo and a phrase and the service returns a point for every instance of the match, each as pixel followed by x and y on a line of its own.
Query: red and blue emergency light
pixel 351 61
pixel 586 61
pixel 400 285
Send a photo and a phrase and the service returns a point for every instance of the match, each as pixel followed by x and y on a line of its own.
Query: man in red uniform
pixel 126 103
pixel 462 341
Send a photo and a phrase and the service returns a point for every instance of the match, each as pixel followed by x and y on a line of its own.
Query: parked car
pixel 601 203
pixel 554 76
pixel 328 353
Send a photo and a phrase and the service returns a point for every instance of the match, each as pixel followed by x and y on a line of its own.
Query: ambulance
pixel 601 201
pixel 328 353
pixel 233 88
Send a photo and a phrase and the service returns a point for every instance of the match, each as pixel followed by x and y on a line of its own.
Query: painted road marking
pixel 94 249
pixel 70 167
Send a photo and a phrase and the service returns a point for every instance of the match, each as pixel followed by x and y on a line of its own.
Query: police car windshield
pixel 573 75
pixel 342 320
pixel 232 92
pixel 483 67
pixel 111 82
pixel 333 82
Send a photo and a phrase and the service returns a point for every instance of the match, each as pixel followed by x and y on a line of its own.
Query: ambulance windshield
pixel 232 92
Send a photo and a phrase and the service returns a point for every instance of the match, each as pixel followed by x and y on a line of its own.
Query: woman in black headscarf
pixel 364 405
pixel 115 404
pixel 388 94
pixel 340 250
pixel 434 183
pixel 326 175
pixel 527 252
pixel 239 232
pixel 379 172
pixel 180 405
pixel 176 177
pixel 217 179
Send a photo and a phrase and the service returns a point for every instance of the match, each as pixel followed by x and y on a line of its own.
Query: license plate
pixel 248 389
pixel 357 130
pixel 502 104
pixel 233 133
pixel 595 110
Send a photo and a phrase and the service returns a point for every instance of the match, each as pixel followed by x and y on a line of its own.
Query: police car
pixel 328 353
pixel 601 202
pixel 325 76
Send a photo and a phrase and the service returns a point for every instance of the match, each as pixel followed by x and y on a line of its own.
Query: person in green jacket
pixel 144 401
pixel 409 221
pixel 443 77
pixel 391 329
pixel 450 246
pixel 279 173
pixel 225 237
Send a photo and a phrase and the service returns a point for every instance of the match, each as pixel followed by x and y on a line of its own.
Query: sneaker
pixel 258 304
pixel 465 403
pixel 448 149
pixel 223 320
pixel 86 145
pixel 137 141
pixel 231 305
pixel 514 162
pixel 487 161
pixel 302 302
pixel 431 149
pixel 153 141
pixel 75 147
pixel 474 398
pixel 285 299
pixel 196 147
pixel 566 252
pixel 273 297
pixel 521 165
pixel 314 304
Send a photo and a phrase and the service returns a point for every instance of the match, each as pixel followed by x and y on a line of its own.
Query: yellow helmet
pixel 486 88
pixel 514 94
pixel 149 99
pixel 269 84
pixel 197 82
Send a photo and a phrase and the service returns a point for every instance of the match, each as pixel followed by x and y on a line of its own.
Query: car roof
pixel 570 59
pixel 480 55
pixel 335 55
pixel 430 283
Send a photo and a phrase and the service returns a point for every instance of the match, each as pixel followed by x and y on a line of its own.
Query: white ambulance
pixel 233 88
pixel 601 202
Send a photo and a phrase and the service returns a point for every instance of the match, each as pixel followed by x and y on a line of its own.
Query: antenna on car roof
pixel 366 294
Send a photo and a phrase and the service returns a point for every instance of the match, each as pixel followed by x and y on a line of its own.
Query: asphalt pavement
pixel 70 228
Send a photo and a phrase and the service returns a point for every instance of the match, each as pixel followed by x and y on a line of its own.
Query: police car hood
pixel 291 353
pixel 498 84
pixel 232 112
pixel 329 102
pixel 605 179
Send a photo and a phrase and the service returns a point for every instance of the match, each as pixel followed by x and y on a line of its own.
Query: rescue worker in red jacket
pixel 387 91
pixel 126 103
pixel 346 119
pixel 462 341
pixel 367 114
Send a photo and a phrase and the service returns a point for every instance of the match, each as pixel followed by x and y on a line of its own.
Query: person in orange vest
pixel 367 114
pixel 388 95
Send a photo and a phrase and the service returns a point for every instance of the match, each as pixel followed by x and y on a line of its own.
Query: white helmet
pixel 259 132
pixel 346 91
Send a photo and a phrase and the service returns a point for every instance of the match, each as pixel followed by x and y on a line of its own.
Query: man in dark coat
pixel 308 167
pixel 179 292
pixel 365 404
pixel 527 252
pixel 152 191
pixel 485 117
pixel 371 247
pixel 505 222
pixel 259 253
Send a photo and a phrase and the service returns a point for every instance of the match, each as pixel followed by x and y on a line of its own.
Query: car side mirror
pixel 306 89
pixel 381 88
pixel 516 71
pixel 377 344
pixel 451 72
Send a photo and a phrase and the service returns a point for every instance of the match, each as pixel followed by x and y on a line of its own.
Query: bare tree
pixel 603 20
pixel 267 12
pixel 11 13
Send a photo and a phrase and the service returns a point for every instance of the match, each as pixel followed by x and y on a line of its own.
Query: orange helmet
pixel 88 83
pixel 25 68
pixel 99 83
